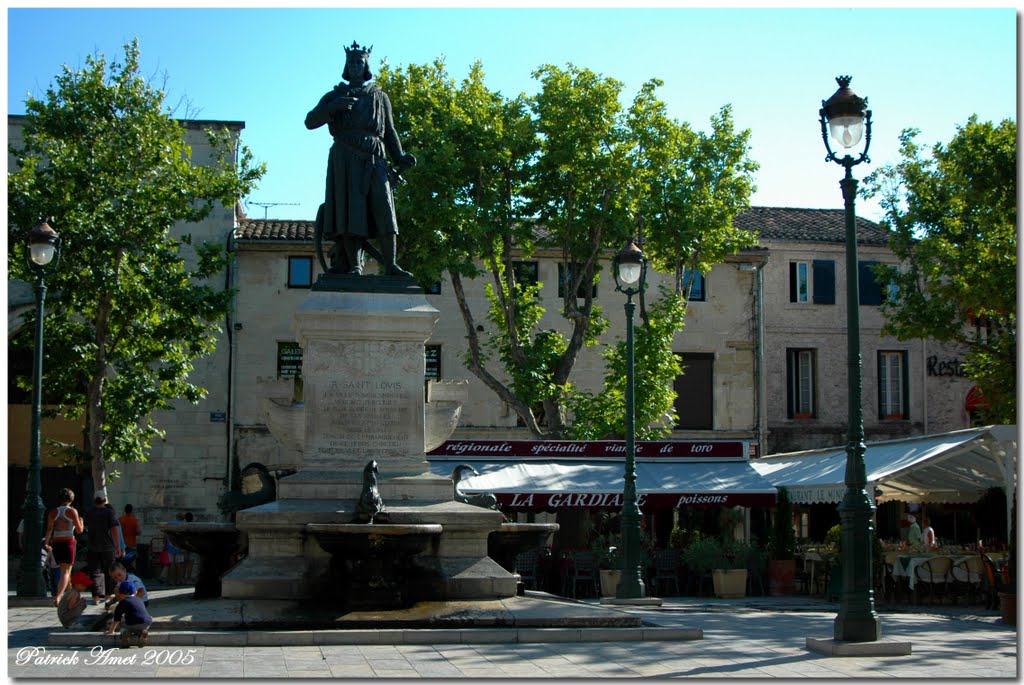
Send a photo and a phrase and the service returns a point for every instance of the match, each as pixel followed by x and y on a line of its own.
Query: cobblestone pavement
pixel 749 638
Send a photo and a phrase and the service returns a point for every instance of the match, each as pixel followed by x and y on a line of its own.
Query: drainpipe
pixel 230 279
pixel 760 402
pixel 924 383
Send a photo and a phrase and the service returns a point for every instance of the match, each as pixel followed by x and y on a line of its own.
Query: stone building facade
pixel 764 346
pixel 719 334
pixel 910 387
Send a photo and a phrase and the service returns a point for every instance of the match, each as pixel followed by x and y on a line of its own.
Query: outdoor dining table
pixel 812 559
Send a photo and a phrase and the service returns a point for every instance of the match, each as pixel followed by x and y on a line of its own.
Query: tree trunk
pixel 475 363
pixel 95 414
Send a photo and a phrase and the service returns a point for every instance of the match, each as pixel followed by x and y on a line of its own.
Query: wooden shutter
pixel 870 290
pixel 824 274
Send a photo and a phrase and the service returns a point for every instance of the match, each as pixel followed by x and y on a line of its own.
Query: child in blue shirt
pixel 132 612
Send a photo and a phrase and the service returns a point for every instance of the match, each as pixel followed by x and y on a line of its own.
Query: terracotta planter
pixel 1008 605
pixel 781 573
pixel 609 581
pixel 730 583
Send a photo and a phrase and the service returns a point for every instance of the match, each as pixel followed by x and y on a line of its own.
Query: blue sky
pixel 929 68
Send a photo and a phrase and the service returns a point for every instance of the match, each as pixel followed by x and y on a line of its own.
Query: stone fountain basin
pixel 358 540
pixel 203 538
pixel 216 543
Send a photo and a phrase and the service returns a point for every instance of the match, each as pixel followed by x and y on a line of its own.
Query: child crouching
pixel 72 604
pixel 132 612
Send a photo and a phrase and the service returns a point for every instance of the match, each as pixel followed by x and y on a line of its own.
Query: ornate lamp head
pixel 848 120
pixel 43 243
pixel 630 266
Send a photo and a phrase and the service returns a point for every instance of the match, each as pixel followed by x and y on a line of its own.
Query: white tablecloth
pixel 906 564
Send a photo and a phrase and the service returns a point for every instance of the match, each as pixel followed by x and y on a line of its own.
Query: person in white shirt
pixel 120 573
pixel 928 538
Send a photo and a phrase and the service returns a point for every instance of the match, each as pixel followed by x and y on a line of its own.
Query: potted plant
pixel 701 556
pixel 730 575
pixel 782 548
pixel 609 563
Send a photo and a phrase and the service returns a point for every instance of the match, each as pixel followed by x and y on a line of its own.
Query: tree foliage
pixel 953 212
pixel 602 415
pixel 569 172
pixel 133 306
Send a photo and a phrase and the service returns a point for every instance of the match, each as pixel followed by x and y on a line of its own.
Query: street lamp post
pixel 846 117
pixel 43 247
pixel 630 267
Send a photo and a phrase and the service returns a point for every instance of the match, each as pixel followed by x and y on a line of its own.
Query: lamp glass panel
pixel 629 272
pixel 42 253
pixel 846 131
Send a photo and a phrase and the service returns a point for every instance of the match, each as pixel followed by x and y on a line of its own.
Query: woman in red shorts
pixel 61 526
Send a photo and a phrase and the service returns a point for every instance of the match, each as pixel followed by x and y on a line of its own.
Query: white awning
pixel 559 484
pixel 950 467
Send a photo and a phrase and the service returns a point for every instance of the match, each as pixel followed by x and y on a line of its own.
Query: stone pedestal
pixel 363 394
pixel 363 379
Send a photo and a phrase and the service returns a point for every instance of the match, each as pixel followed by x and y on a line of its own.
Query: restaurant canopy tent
pixel 554 475
pixel 949 467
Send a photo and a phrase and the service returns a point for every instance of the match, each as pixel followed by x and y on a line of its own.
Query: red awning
pixel 975 400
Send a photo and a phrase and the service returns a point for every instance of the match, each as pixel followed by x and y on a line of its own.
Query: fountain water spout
pixel 370 503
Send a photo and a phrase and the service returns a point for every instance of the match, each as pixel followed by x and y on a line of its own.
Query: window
pixel 800 382
pixel 525 273
pixel 289 359
pixel 565 276
pixel 697 287
pixel 799 282
pixel 984 328
pixel 300 272
pixel 813 281
pixel 432 357
pixel 435 289
pixel 695 392
pixel 893 393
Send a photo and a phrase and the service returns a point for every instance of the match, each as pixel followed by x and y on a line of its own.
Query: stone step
pixel 270 638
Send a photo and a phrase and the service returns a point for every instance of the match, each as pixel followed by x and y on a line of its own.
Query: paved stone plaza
pixel 752 637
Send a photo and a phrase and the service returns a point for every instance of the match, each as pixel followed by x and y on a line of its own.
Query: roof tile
pixel 772 223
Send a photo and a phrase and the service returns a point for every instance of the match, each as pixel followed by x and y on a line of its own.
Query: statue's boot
pixel 389 246
pixel 354 254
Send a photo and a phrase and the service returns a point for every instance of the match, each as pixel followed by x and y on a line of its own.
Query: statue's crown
pixel 358 48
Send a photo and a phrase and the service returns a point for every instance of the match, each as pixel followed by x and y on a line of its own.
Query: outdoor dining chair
pixel 666 570
pixel 991 582
pixel 584 572
pixel 933 575
pixel 527 564
pixel 967 577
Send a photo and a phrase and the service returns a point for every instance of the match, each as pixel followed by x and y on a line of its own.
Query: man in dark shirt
pixel 132 612
pixel 102 545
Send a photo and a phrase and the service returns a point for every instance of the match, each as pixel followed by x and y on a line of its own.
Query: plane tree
pixel 135 300
pixel 569 171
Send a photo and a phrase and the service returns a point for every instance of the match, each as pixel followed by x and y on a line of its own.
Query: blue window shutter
pixel 824 271
pixel 870 290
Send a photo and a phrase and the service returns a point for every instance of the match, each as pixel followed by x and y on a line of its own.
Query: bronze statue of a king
pixel 359 204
